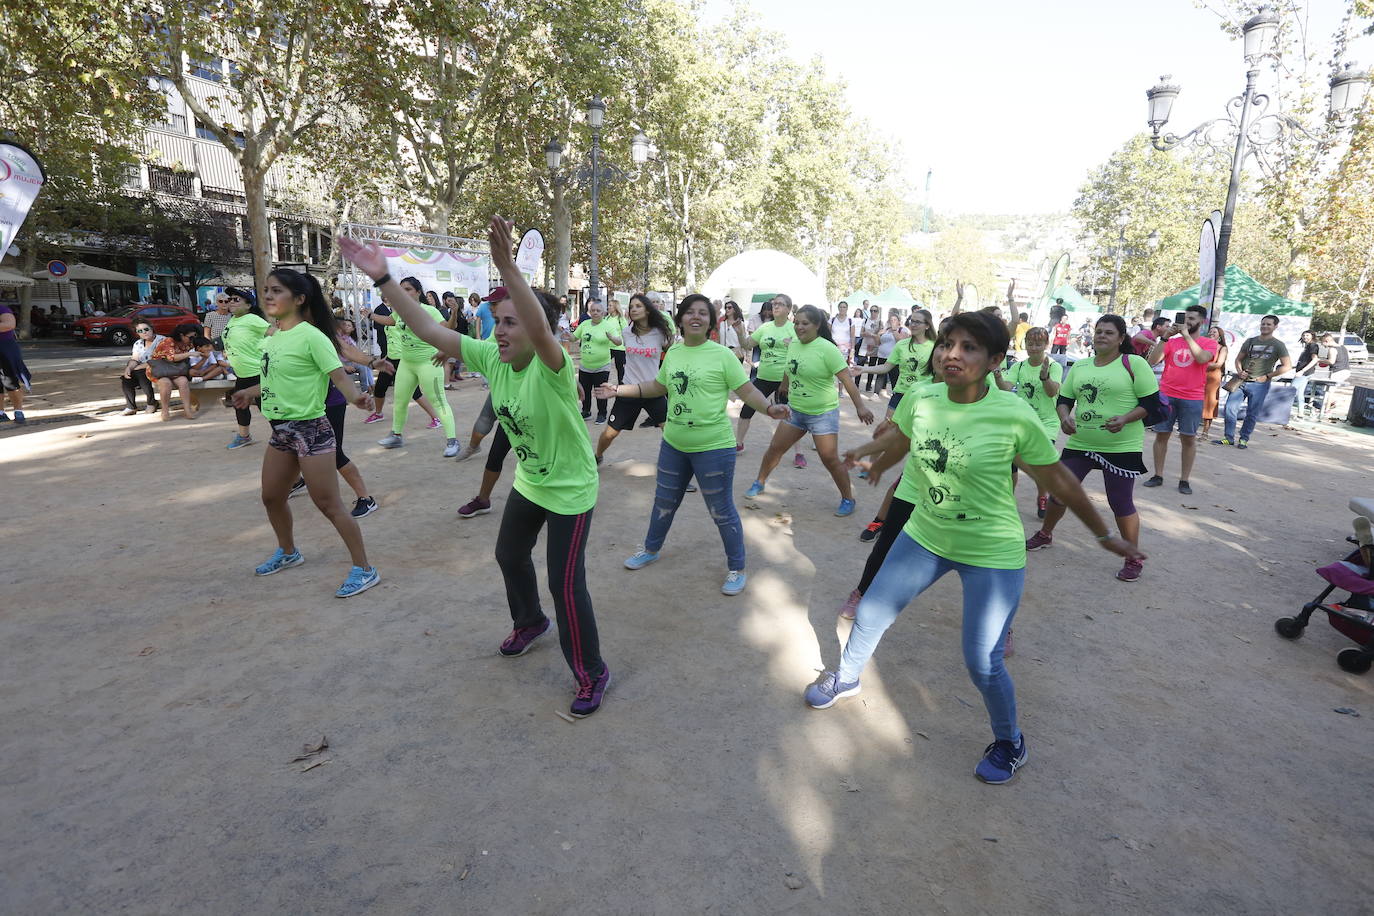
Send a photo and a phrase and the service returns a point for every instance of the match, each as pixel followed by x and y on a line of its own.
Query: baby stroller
pixel 1354 617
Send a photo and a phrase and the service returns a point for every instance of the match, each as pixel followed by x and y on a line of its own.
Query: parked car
pixel 1355 348
pixel 118 327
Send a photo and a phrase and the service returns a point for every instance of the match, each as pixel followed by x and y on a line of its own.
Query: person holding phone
pixel 1185 353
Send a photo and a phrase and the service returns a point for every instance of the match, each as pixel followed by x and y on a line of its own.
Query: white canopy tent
pixel 80 271
pixel 765 272
pixel 10 278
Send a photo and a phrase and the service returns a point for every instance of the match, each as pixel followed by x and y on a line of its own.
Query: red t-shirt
pixel 1061 334
pixel 1185 377
pixel 1140 348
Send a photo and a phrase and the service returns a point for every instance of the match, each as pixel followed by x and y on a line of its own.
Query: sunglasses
pixel 145 330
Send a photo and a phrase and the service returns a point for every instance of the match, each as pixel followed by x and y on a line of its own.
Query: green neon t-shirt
pixel 295 371
pixel 1026 378
pixel 539 411
pixel 618 326
pixel 773 342
pixel 596 344
pixel 1107 391
pixel 910 358
pixel 243 343
pixel 699 381
pixel 811 369
pixel 403 343
pixel 958 473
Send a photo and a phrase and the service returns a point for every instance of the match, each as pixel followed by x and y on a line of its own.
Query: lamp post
pixel 596 115
pixel 1348 88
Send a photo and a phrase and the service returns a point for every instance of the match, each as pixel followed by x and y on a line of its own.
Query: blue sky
pixel 1010 102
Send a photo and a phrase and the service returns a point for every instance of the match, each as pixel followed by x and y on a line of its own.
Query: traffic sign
pixel 57 269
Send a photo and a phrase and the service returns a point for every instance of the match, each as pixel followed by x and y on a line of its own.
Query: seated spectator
pixel 208 362
pixel 177 348
pixel 135 373
pixel 348 332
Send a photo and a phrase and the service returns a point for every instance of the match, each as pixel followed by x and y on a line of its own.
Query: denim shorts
pixel 817 424
pixel 893 401
pixel 1183 413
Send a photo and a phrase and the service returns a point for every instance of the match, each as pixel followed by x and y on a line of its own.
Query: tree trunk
pixel 27 262
pixel 436 217
pixel 254 189
pixel 689 261
pixel 562 241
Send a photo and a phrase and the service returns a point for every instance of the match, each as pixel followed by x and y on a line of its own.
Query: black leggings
pixel 138 379
pixel 242 414
pixel 588 381
pixel 567 549
pixel 767 389
pixel 897 516
pixel 618 357
pixel 500 448
pixel 868 377
pixel 335 414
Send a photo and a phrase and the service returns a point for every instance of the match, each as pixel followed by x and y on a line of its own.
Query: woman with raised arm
pixel 415 368
pixel 697 377
pixel 957 441
pixel 534 392
pixel 299 361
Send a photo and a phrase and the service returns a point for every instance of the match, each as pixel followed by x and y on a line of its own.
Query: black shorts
pixel 625 411
pixel 765 388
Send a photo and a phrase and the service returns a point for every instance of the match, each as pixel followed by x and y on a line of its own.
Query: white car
pixel 1355 348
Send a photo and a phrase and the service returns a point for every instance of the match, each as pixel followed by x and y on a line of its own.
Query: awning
pixel 10 278
pixel 88 272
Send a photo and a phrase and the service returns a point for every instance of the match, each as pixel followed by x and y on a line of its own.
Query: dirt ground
pixel 1183 758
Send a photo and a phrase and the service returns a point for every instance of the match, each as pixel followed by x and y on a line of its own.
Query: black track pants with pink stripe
pixel 567 551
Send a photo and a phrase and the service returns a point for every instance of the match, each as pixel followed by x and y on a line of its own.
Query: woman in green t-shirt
pixel 243 347
pixel 697 376
pixel 812 366
pixel 615 317
pixel 534 394
pixel 416 369
pixel 1036 378
pixel 910 359
pixel 957 440
pixel 1102 404
pixel 299 360
pixel 595 337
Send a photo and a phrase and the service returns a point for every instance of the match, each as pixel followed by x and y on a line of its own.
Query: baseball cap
pixel 245 294
pixel 500 294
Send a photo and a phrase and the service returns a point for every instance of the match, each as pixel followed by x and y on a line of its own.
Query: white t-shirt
pixel 642 356
pixel 873 326
pixel 842 329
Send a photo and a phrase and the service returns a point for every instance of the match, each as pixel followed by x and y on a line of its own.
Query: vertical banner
pixel 1207 265
pixel 529 255
pixel 21 178
pixel 1058 274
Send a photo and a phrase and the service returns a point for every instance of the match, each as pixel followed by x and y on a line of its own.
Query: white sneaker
pixel 127 412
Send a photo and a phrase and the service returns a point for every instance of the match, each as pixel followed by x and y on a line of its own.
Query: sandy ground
pixel 1183 757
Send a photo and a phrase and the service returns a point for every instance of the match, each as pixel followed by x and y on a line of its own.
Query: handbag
pixel 1232 383
pixel 166 368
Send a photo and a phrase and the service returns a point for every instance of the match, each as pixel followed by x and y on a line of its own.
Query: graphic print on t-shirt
pixel 945 457
pixel 517 426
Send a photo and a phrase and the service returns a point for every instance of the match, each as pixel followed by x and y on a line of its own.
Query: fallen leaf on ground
pixel 309 749
pixel 1188 507
pixel 924 735
pixel 147 650
pixel 563 715
pixel 990 839
pixel 792 881
pixel 317 763
pixel 1346 711
pixel 1242 639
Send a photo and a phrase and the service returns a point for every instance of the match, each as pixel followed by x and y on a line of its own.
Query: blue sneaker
pixel 824 694
pixel 734 582
pixel 640 559
pixel 754 490
pixel 240 442
pixel 846 508
pixel 1000 762
pixel 359 580
pixel 279 561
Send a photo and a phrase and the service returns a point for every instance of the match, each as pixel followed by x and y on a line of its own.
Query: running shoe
pixel 20 419
pixel 691 488
pixel 520 639
pixel 364 507
pixel 1184 488
pixel 754 490
pixel 1224 440
pixel 640 559
pixel 586 414
pixel 851 604
pixel 153 408
pixel 359 580
pixel 1000 761
pixel 279 561
pixel 871 530
pixel 825 693
pixel 126 412
pixel 1244 443
pixel 734 582
pixel 588 698
pixel 1039 541
pixel 846 508
pixel 478 506
pixel 297 488
pixel 1130 571
pixel 799 461
pixel 1040 506
pixel 392 441
pixel 1155 481
pixel 4 417
pixel 372 418
pixel 600 419
pixel 467 452
pixel 451 449
pixel 434 423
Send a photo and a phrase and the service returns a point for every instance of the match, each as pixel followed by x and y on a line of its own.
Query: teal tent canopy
pixel 858 296
pixel 895 296
pixel 1073 299
pixel 1244 295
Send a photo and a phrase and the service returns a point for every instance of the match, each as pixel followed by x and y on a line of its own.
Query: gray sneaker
pixel 451 449
pixel 391 441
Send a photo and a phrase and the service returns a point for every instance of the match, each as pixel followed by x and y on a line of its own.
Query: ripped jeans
pixel 715 474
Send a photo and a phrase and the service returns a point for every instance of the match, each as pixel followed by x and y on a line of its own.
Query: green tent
pixel 1073 299
pixel 894 296
pixel 858 296
pixel 1244 295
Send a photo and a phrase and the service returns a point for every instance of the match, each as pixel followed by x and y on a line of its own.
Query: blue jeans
pixel 1300 393
pixel 1254 394
pixel 715 473
pixel 991 597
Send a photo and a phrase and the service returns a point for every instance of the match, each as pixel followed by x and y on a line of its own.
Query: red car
pixel 118 327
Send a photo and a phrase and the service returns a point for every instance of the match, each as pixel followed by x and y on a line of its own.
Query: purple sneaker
pixel 588 699
pixel 520 639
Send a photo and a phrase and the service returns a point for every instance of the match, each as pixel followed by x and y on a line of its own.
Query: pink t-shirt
pixel 1185 377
